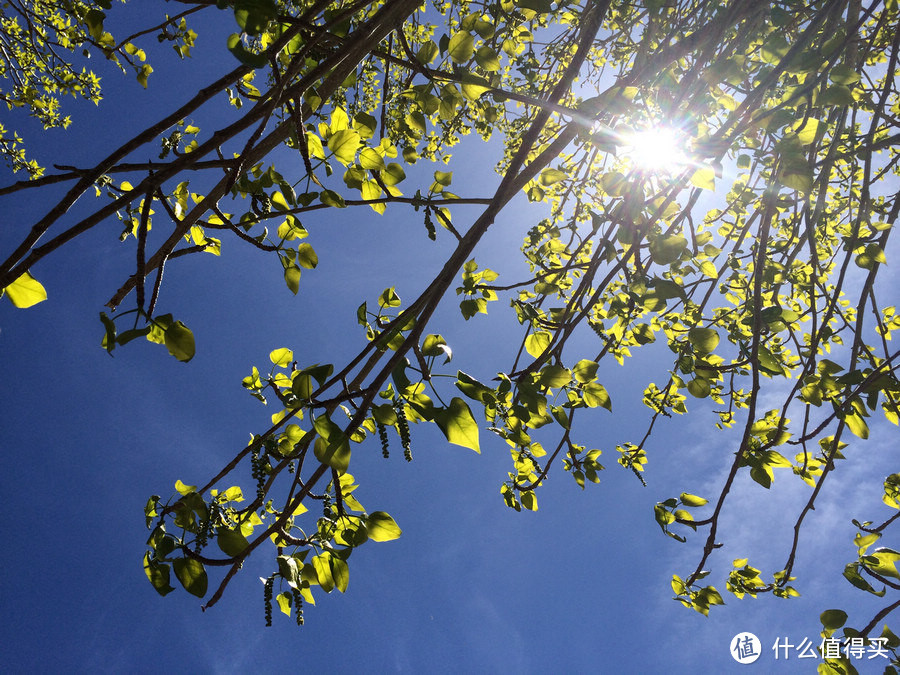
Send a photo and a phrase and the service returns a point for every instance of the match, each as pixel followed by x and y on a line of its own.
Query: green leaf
pixel 433 344
pixel 306 256
pixel 254 15
pixel 843 74
pixel 551 176
pixel 554 377
pixel 443 178
pixel 393 174
pixel 344 144
pixel 284 602
pixel 802 182
pixel 389 298
pixel 242 54
pixel 539 6
pixel 595 395
pixel 25 291
pixel 699 387
pixel 322 565
pixel 143 74
pixel 536 343
pixel 427 53
pixel 529 500
pixel 461 46
pixel 473 86
pixel 184 489
pixel 231 542
pixel 332 198
pixel 857 425
pixel 704 178
pixel 665 250
pixel 292 278
pixel 832 619
pixel 471 387
pixel 703 340
pixel 836 94
pixel 192 575
pixel 109 337
pixel 281 357
pixel 369 159
pixel 487 58
pixel 340 573
pixel 381 527
pixel 94 20
pixel 180 341
pixel 806 130
pixel 692 500
pixel 872 255
pixel 332 447
pixel 585 371
pixel 458 424
pixel 768 363
pixel 883 561
pixel 158 574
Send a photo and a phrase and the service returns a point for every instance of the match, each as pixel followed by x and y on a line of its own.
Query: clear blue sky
pixel 471 586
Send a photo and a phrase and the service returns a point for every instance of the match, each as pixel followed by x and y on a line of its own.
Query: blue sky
pixel 471 586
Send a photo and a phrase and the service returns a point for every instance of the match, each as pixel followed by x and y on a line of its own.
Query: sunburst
pixel 657 149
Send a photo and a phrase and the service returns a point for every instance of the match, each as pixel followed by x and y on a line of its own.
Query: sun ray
pixel 657 149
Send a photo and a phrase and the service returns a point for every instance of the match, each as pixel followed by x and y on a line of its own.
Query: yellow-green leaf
pixel 25 291
pixel 381 527
pixel 192 576
pixel 370 159
pixel 536 343
pixel 180 341
pixel 461 47
pixel 292 278
pixel 458 424
pixel 806 130
pixel 551 176
pixel 692 500
pixel 703 340
pixel 335 452
pixel 184 489
pixel 232 542
pixel 344 144
pixel 306 256
pixel 704 178
pixel 281 357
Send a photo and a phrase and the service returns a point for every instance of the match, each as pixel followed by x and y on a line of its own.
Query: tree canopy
pixel 713 183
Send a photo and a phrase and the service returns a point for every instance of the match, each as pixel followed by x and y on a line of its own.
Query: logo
pixel 745 648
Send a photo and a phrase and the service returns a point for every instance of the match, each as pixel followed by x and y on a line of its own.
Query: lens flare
pixel 657 149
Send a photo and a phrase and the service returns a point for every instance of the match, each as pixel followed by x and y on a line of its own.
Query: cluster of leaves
pixel 770 296
pixel 197 522
pixel 40 40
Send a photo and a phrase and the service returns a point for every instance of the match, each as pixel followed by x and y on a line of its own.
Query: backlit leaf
pixel 458 424
pixel 180 341
pixel 344 144
pixel 158 574
pixel 461 47
pixel 381 527
pixel 232 542
pixel 306 256
pixel 536 343
pixel 703 340
pixel 25 291
pixel 666 249
pixel 192 575
pixel 281 357
pixel 292 278
pixel 704 178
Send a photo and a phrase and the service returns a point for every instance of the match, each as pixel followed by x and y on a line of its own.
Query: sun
pixel 657 149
